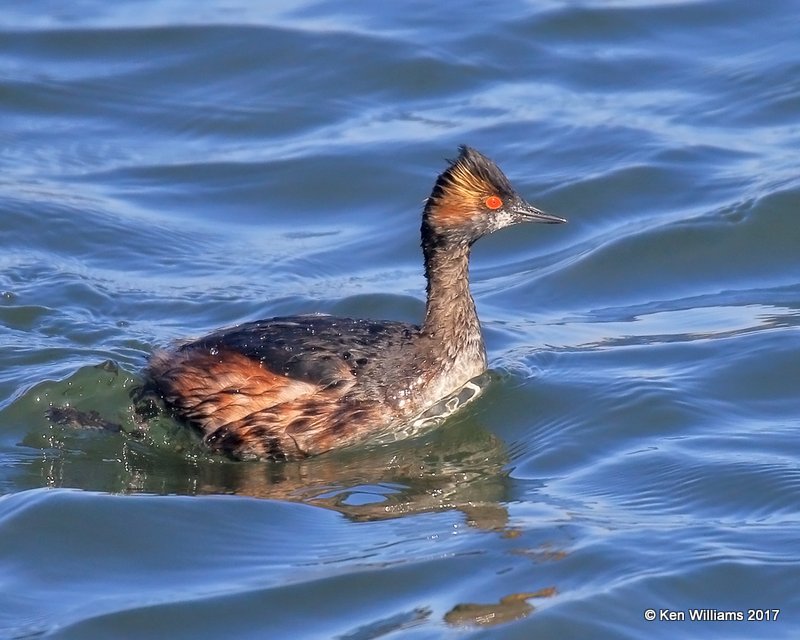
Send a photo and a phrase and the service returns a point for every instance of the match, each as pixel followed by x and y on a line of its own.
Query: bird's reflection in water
pixel 459 466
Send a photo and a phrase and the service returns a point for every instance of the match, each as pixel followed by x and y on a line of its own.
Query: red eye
pixel 493 202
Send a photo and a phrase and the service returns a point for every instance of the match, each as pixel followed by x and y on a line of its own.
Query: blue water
pixel 170 168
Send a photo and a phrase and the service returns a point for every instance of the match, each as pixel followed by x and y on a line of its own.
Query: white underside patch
pixel 440 411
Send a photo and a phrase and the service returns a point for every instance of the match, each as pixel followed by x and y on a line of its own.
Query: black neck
pixel 450 315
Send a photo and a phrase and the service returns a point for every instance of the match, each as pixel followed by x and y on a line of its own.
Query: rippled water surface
pixel 169 168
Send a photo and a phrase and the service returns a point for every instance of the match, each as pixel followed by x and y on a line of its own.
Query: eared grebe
pixel 296 386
